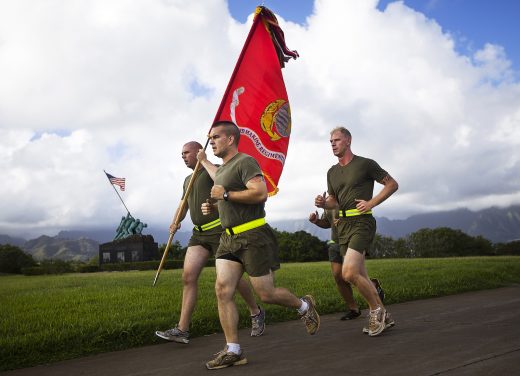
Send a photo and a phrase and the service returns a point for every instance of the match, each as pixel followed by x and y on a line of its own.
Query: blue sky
pixel 472 23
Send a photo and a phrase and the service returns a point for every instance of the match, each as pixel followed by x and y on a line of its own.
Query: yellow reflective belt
pixel 352 213
pixel 245 226
pixel 208 226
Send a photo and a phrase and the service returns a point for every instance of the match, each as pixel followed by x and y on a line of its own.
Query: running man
pixel 350 186
pixel 203 243
pixel 248 243
pixel 328 220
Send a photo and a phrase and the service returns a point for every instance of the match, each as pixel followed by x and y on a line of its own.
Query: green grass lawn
pixel 49 318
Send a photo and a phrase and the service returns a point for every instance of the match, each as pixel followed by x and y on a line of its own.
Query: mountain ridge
pixel 498 225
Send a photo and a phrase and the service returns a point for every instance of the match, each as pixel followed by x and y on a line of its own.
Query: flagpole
pixel 116 192
pixel 177 218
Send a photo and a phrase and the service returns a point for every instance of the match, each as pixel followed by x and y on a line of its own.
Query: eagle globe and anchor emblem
pixel 276 119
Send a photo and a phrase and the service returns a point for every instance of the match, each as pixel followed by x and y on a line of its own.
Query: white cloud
pixel 120 86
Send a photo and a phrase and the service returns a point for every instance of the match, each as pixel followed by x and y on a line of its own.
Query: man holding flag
pixel 255 110
pixel 248 242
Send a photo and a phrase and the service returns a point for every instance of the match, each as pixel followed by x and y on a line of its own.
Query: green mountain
pixel 46 247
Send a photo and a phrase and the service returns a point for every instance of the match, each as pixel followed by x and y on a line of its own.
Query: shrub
pixel 13 259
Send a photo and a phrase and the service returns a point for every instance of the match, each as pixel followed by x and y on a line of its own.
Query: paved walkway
pixel 476 333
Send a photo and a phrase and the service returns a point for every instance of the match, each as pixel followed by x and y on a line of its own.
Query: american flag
pixel 120 182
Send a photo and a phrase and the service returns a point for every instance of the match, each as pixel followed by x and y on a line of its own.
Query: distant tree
pixel 447 242
pixel 511 248
pixel 175 252
pixel 13 259
pixel 300 246
pixel 402 248
pixel 94 260
pixel 56 266
pixel 382 247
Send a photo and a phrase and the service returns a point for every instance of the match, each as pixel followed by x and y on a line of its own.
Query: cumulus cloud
pixel 120 86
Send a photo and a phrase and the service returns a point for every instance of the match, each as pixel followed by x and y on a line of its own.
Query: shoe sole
pixel 240 362
pixel 311 298
pixel 170 339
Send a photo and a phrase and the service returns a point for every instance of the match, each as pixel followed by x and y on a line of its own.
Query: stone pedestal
pixel 131 249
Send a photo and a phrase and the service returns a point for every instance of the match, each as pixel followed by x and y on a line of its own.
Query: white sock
pixel 303 308
pixel 234 348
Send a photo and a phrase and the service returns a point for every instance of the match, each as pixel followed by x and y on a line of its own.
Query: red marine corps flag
pixel 256 99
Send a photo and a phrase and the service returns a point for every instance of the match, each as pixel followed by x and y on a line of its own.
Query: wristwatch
pixel 225 196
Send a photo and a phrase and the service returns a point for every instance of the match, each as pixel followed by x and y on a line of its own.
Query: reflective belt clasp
pixel 245 226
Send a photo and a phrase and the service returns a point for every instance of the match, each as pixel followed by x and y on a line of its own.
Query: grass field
pixel 44 319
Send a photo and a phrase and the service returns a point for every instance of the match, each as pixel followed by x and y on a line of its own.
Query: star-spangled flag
pixel 256 99
pixel 120 182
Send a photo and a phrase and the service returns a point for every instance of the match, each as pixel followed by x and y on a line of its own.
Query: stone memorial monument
pixel 129 244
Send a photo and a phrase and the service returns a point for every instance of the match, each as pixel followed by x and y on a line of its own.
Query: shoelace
pixel 374 316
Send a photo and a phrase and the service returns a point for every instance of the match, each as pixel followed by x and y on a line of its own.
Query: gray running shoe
pixel 376 322
pixel 174 335
pixel 225 359
pixel 258 323
pixel 311 318
pixel 389 323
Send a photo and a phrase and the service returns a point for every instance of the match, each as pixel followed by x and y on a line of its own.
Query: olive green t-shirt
pixel 200 192
pixel 330 216
pixel 233 176
pixel 354 181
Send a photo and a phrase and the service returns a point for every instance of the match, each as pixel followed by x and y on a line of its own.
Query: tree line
pixel 300 246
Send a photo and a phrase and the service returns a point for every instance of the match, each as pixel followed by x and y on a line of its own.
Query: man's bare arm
pixel 255 192
pixel 210 167
pixel 390 186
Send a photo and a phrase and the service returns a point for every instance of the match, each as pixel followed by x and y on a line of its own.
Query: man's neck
pixel 345 159
pixel 230 154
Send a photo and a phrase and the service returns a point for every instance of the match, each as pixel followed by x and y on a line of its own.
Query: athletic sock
pixel 258 314
pixel 303 308
pixel 234 348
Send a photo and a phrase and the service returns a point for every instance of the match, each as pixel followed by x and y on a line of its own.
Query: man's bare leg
pixel 268 293
pixel 195 259
pixel 344 288
pixel 306 306
pixel 244 289
pixel 229 274
pixel 354 271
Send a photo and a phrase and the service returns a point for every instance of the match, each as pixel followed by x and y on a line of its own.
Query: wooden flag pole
pixel 180 209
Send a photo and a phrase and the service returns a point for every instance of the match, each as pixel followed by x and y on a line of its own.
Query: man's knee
pixel 350 275
pixel 189 277
pixel 224 290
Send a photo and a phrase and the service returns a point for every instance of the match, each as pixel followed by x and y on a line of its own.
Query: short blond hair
pixel 343 130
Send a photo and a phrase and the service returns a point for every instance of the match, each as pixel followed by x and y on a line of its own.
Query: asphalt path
pixel 476 333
